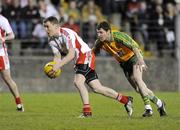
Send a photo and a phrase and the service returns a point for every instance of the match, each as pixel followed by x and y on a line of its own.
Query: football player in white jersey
pixel 64 40
pixel 6 33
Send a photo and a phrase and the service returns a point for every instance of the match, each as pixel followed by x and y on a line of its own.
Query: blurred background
pixel 153 24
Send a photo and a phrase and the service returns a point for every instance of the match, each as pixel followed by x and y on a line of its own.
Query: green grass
pixel 59 111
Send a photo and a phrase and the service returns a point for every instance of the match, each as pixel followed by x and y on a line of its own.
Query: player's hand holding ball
pixel 48 70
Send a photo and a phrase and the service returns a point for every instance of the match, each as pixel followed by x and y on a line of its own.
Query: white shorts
pixel 4 60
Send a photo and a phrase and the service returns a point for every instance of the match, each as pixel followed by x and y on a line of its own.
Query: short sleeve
pixel 5 25
pixel 54 46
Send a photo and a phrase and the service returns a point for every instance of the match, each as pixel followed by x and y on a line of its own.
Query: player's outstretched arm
pixel 57 57
pixel 65 60
pixel 60 63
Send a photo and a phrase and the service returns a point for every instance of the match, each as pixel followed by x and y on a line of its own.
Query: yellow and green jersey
pixel 120 46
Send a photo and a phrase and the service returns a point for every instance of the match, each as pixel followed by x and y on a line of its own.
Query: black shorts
pixel 128 66
pixel 85 70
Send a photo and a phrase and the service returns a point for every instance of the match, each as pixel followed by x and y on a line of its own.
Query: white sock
pixel 159 103
pixel 148 107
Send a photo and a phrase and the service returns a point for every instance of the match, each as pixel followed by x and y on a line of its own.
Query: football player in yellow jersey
pixel 127 52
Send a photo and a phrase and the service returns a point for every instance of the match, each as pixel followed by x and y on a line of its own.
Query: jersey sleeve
pixel 125 39
pixel 6 26
pixel 54 46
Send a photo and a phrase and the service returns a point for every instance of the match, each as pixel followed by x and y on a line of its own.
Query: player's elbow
pixel 11 36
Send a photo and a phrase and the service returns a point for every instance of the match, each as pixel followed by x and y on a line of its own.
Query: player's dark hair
pixel 104 25
pixel 51 19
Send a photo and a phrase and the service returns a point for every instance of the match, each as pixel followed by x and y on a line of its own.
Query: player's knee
pixel 138 80
pixel 94 90
pixel 75 83
pixel 97 89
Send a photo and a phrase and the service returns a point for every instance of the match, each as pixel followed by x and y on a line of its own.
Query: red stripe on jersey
pixel 64 32
pixel 69 40
pixel 92 65
pixel 5 49
pixel 82 57
pixel 2 32
pixel 2 65
pixel 3 35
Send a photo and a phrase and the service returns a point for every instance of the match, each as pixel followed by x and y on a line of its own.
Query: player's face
pixel 102 34
pixel 51 29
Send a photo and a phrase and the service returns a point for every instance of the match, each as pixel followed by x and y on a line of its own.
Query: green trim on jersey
pixel 123 38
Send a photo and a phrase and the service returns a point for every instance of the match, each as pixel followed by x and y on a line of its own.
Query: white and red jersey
pixel 5 28
pixel 69 39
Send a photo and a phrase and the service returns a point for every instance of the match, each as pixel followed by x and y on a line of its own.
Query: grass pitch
pixel 59 111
